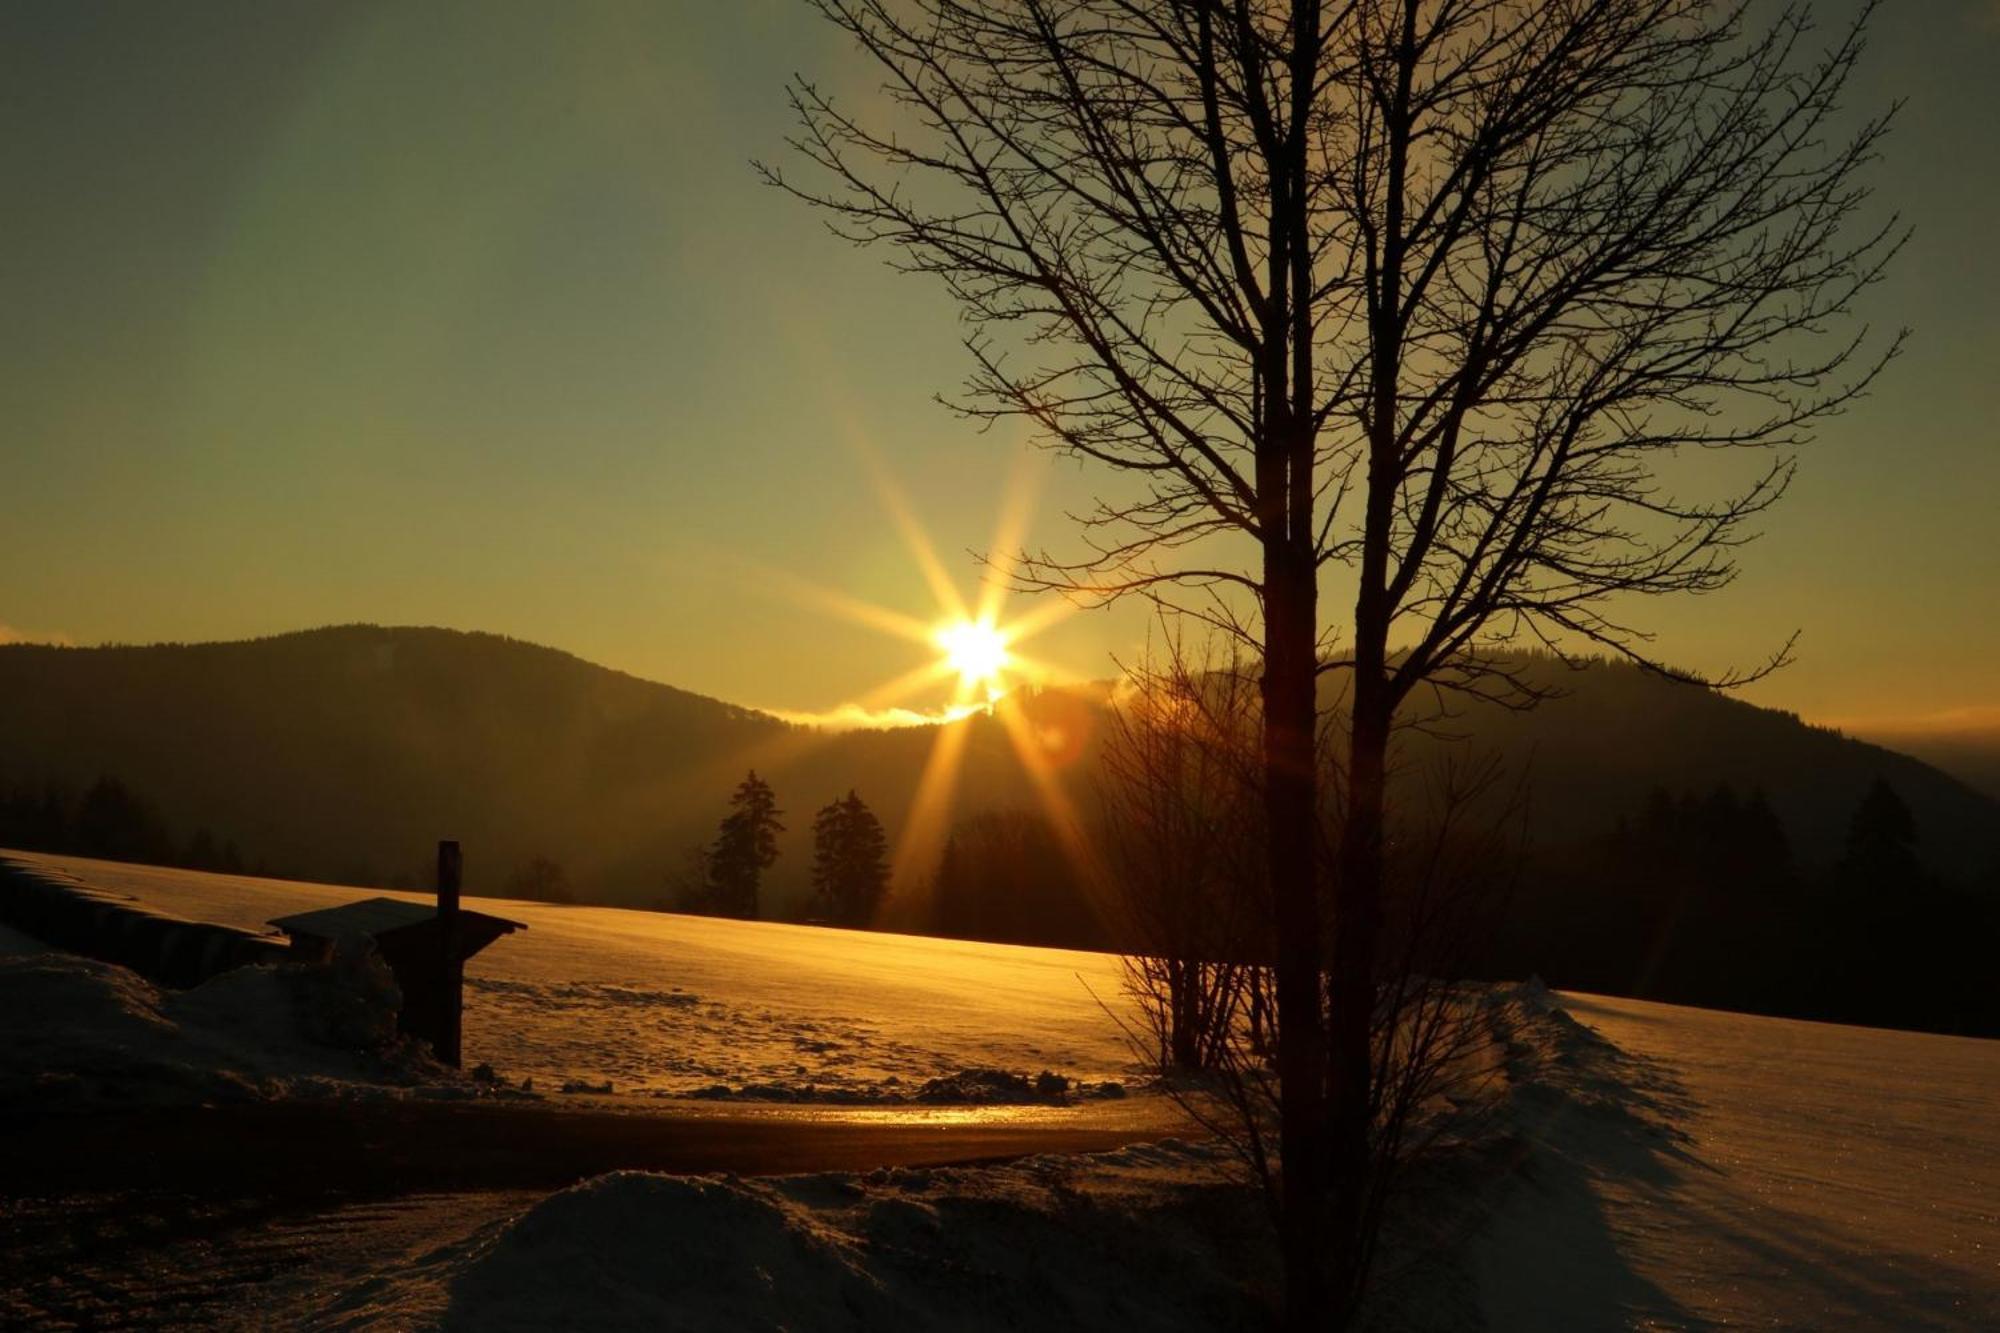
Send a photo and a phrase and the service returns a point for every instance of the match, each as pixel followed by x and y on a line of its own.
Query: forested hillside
pixel 343 753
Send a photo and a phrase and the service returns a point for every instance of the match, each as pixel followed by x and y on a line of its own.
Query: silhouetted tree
pixel 850 870
pixel 1003 876
pixel 38 819
pixel 202 851
pixel 1877 916
pixel 114 822
pixel 1697 896
pixel 110 819
pixel 689 887
pixel 541 880
pixel 1426 292
pixel 746 845
pixel 1183 831
pixel 1881 836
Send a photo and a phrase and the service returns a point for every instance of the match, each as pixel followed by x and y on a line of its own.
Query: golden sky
pixel 474 314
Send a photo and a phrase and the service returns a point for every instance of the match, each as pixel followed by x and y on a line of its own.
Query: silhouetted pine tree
pixel 43 821
pixel 746 845
pixel 114 822
pixel 541 880
pixel 202 852
pixel 1881 836
pixel 850 872
pixel 1004 877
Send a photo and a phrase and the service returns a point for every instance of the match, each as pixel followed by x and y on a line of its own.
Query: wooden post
pixel 451 966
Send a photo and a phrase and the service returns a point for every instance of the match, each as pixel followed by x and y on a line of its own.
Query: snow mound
pixel 670 1253
pixel 1158 1237
pixel 82 1033
pixel 995 1087
pixel 967 1087
pixel 1556 1064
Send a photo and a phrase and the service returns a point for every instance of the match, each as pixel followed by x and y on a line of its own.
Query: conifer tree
pixel 850 872
pixel 746 845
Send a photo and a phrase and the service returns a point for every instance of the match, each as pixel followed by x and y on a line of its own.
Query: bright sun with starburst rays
pixel 977 651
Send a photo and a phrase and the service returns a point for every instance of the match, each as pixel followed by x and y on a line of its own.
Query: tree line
pixel 111 821
pixel 1699 899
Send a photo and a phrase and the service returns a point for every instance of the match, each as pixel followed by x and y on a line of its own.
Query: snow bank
pixel 1557 1065
pixel 81 1033
pixel 967 1087
pixel 1159 1237
pixel 1691 1168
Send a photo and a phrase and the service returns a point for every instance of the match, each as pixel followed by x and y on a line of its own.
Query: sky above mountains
pixel 475 314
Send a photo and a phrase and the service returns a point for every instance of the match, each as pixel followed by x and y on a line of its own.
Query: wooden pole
pixel 451 967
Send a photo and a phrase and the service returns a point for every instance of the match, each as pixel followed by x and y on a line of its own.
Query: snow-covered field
pixel 662 1004
pixel 1646 1166
pixel 1731 1171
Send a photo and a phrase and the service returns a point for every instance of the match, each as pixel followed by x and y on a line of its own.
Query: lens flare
pixel 977 651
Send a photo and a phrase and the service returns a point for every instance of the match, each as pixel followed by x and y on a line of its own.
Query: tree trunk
pixel 1184 989
pixel 1357 915
pixel 1290 672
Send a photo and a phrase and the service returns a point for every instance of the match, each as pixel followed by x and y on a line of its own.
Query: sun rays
pixel 975 648
pixel 974 665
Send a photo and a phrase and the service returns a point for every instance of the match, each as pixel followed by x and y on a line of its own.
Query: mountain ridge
pixel 345 751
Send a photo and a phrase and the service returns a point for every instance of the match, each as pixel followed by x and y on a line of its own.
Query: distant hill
pixel 1614 732
pixel 344 753
pixel 1973 757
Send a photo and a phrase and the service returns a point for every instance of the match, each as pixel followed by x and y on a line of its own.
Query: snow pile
pixel 1556 1065
pixel 669 1252
pixel 999 1087
pixel 82 1033
pixel 967 1087
pixel 1158 1237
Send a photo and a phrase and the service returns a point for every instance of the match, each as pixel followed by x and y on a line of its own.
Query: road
pixel 306 1151
pixel 337 1215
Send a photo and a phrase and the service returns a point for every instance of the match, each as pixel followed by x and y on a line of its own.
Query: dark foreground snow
pixel 1154 1237
pixel 81 1035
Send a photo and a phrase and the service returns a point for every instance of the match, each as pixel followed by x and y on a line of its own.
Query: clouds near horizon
pixel 9 634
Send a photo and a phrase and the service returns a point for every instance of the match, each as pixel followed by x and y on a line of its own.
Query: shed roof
pixel 380 916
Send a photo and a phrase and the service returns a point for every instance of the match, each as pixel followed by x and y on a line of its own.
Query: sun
pixel 988 651
pixel 976 650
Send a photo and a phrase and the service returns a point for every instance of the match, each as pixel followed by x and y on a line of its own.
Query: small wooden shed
pixel 424 946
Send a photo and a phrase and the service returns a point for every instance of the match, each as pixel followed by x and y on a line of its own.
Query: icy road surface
pixel 658 1003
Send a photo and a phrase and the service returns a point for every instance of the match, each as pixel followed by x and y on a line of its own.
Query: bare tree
pixel 1183 828
pixel 1183 835
pixel 1422 298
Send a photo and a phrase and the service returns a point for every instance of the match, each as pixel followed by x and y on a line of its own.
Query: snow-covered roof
pixel 379 916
